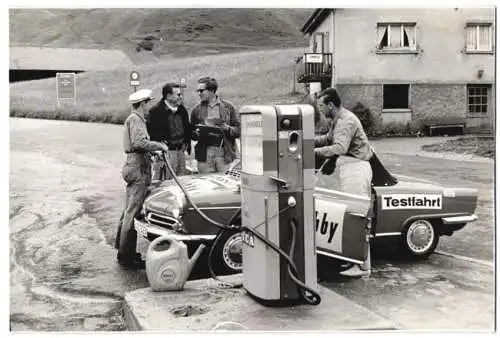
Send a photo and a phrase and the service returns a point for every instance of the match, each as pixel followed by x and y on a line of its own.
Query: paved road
pixel 66 195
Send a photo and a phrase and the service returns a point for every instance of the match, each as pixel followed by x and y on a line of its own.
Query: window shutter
pixel 471 43
pixel 484 38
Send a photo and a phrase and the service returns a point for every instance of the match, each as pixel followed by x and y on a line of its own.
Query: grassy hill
pixel 249 51
pixel 259 77
pixel 177 32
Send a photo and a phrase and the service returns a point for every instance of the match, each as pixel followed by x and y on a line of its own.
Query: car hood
pixel 206 189
pixel 168 195
pixel 410 180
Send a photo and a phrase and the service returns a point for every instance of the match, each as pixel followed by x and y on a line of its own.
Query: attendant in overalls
pixel 168 122
pixel 136 172
pixel 346 137
pixel 214 151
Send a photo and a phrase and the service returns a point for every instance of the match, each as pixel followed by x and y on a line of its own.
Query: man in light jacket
pixel 346 137
pixel 216 149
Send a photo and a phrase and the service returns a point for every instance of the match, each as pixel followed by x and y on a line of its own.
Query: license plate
pixel 141 230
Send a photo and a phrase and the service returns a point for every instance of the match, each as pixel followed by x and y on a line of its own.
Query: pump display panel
pixel 252 161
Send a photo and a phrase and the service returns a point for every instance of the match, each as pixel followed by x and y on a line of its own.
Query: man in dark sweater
pixel 169 123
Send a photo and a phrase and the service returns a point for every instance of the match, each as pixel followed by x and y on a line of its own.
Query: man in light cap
pixel 137 174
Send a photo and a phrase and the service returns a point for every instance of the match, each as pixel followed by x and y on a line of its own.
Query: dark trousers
pixel 137 175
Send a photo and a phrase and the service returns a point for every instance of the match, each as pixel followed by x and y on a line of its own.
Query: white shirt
pixel 173 109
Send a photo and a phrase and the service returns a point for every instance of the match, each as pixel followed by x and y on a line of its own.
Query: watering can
pixel 168 265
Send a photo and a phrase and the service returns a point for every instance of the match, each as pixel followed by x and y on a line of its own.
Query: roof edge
pixel 316 19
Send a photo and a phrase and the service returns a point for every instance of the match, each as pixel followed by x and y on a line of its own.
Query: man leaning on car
pixel 346 137
pixel 136 172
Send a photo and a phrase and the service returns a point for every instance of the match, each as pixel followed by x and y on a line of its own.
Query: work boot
pixel 131 261
pixel 356 271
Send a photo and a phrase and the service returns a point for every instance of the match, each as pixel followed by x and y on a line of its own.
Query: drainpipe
pixel 334 49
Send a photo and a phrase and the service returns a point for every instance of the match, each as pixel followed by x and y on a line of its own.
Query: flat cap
pixel 140 95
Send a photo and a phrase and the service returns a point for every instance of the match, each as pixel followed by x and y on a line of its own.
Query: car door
pixel 341 220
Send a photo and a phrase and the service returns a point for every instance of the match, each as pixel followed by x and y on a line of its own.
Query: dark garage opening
pixel 396 96
pixel 17 75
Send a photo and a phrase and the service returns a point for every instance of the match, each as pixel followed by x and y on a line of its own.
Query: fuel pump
pixel 277 185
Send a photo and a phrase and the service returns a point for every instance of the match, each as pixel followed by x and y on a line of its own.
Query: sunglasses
pixel 200 90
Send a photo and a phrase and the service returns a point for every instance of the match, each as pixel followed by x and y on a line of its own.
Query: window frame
pixel 391 26
pixel 475 25
pixel 396 110
pixel 469 105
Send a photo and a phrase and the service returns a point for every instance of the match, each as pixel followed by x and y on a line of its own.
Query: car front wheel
pixel 229 251
pixel 419 239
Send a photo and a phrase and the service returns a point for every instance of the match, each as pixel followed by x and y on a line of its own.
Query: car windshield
pixel 381 176
pixel 233 174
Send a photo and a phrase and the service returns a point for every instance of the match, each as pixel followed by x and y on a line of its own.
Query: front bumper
pixel 147 230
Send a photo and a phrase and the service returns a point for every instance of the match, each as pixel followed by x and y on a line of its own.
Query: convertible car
pixel 413 212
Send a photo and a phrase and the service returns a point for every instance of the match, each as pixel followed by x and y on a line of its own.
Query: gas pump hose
pixel 292 269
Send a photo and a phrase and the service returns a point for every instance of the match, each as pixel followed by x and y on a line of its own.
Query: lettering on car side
pixel 412 201
pixel 329 224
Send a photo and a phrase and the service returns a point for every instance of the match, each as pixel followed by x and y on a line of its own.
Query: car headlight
pixel 176 212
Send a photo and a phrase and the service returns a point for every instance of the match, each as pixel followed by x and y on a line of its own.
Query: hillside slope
pixel 257 77
pixel 176 32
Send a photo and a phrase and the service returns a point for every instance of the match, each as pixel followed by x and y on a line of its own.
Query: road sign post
pixel 182 85
pixel 135 80
pixel 66 87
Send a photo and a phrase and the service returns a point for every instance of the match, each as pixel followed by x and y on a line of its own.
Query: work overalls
pixel 136 172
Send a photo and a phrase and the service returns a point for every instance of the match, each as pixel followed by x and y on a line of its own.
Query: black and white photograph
pixel 204 169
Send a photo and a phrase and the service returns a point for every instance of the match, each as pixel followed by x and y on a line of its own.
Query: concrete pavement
pixel 204 305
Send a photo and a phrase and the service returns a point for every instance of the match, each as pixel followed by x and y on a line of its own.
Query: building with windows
pixel 431 65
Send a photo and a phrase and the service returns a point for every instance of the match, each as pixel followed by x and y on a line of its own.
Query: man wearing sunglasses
pixel 216 126
pixel 169 123
pixel 136 173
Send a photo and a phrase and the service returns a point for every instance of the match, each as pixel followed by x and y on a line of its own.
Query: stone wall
pixel 429 101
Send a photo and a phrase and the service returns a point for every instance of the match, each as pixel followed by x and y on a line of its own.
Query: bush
pixel 414 128
pixel 365 116
pixel 395 128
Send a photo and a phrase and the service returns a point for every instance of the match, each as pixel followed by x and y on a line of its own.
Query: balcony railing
pixel 314 67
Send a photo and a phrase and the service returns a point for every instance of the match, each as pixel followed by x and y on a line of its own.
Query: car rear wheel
pixel 420 239
pixel 229 251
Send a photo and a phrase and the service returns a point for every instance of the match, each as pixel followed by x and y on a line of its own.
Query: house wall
pixel 440 44
pixel 324 27
pixel 431 100
pixel 438 73
pixel 427 101
pixel 370 95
